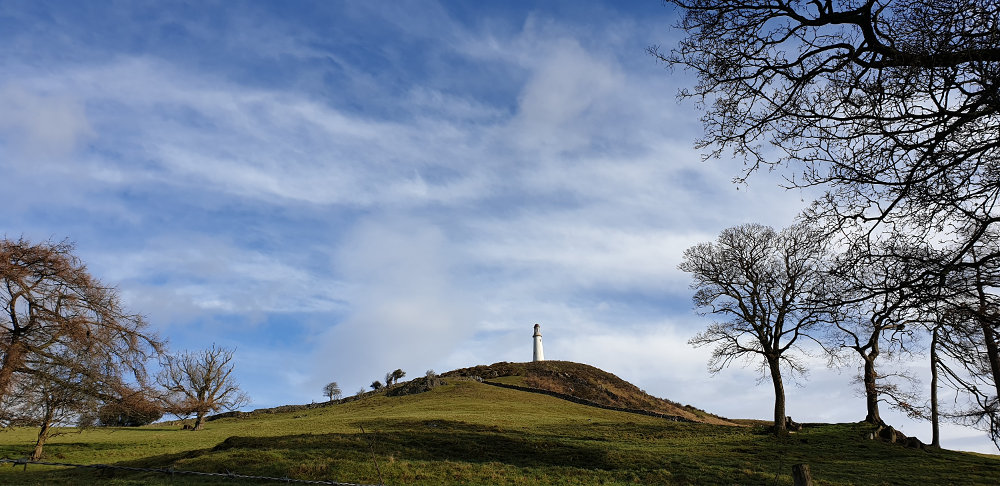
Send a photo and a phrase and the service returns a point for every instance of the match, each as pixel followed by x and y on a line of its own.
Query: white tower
pixel 537 355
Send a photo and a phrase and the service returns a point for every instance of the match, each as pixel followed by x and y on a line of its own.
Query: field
pixel 470 433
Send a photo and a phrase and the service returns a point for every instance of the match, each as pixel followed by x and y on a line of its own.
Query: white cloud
pixel 175 279
pixel 563 105
pixel 42 126
pixel 407 305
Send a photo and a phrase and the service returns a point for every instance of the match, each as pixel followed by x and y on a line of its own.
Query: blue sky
pixel 341 189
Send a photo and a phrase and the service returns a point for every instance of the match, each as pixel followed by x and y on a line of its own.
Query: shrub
pixel 129 411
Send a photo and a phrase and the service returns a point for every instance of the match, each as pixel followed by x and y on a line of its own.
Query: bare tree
pixel 332 390
pixel 965 333
pixel 893 107
pixel 876 319
pixel 890 104
pixel 200 382
pixel 936 364
pixel 53 308
pixel 51 394
pixel 961 357
pixel 762 282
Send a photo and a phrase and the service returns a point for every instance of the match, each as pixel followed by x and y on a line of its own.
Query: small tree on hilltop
pixel 376 385
pixel 396 375
pixel 332 390
pixel 200 382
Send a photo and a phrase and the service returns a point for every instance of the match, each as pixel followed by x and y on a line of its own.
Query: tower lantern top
pixel 538 331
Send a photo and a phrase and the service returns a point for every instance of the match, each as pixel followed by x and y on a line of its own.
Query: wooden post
pixel 372 447
pixel 801 475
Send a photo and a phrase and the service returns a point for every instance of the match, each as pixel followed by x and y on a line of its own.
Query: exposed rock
pixel 914 443
pixel 418 385
pixel 889 434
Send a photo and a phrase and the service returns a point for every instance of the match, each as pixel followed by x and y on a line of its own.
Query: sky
pixel 340 189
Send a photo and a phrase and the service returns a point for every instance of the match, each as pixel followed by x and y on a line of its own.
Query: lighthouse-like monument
pixel 537 355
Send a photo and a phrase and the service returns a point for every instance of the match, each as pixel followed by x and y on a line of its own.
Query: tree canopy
pixel 55 314
pixel 893 108
pixel 760 284
pixel 199 382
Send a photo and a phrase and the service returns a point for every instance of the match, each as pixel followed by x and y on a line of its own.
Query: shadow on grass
pixel 439 440
pixel 439 451
pixel 348 455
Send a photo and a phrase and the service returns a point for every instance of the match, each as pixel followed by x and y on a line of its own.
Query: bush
pixel 130 411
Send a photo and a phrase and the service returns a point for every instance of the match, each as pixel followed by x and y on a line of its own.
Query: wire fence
pixel 171 471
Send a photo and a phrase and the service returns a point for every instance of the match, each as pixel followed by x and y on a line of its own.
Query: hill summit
pixel 583 382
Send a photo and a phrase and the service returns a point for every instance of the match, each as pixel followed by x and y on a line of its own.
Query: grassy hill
pixel 466 432
pixel 585 382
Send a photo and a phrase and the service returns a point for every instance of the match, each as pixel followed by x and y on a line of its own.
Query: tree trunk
pixel 12 360
pixel 992 351
pixel 935 430
pixel 989 334
pixel 871 391
pixel 779 397
pixel 43 435
pixel 199 422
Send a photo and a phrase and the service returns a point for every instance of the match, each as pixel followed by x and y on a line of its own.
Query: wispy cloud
pixel 356 189
pixel 40 127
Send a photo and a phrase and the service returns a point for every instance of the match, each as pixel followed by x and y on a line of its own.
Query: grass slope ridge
pixel 465 432
pixel 585 382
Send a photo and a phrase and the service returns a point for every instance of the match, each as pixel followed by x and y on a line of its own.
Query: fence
pixel 170 471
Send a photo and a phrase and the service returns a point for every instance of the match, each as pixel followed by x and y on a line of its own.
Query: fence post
pixel 801 475
pixel 372 447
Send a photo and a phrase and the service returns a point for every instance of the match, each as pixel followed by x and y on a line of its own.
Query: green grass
pixel 470 433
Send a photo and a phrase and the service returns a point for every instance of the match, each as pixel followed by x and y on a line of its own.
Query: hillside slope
pixel 585 382
pixel 465 432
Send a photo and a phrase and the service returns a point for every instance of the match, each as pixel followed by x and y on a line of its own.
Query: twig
pixel 372 448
